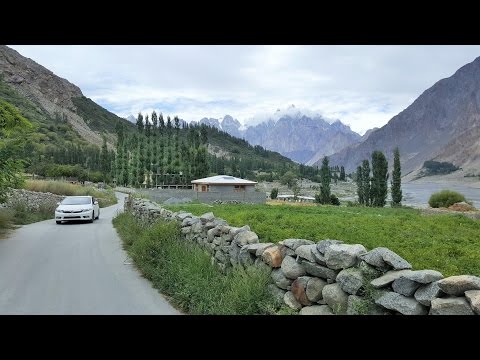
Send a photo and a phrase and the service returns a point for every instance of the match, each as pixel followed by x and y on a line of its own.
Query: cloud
pixel 363 86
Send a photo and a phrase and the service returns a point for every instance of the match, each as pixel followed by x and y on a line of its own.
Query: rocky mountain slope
pixel 442 124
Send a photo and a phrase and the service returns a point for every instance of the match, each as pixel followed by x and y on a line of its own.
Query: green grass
pixel 183 272
pixel 447 243
pixel 105 198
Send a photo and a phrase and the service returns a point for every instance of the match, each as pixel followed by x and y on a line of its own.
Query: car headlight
pixel 90 209
pixel 58 210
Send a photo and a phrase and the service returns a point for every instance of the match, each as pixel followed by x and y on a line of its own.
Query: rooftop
pixel 223 179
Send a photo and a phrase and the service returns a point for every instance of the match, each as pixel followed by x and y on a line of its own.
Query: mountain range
pixel 442 124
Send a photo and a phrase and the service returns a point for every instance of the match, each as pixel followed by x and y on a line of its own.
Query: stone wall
pixel 33 199
pixel 160 195
pixel 327 277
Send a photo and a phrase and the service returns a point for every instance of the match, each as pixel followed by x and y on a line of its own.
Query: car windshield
pixel 77 201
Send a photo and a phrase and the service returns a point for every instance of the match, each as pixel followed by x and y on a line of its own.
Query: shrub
pixel 445 198
pixel 6 220
pixel 274 193
pixel 334 200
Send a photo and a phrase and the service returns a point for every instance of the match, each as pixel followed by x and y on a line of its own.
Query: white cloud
pixel 363 86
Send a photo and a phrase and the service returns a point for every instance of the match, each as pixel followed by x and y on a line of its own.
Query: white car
pixel 74 208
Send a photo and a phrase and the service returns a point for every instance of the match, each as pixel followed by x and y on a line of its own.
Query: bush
pixel 6 220
pixel 334 200
pixel 445 198
pixel 274 193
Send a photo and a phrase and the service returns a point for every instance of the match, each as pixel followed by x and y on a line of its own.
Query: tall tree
pixel 379 179
pixel 342 174
pixel 359 180
pixel 140 122
pixel 105 163
pixel 154 122
pixel 366 182
pixel 396 179
pixel 148 126
pixel 161 123
pixel 169 124
pixel 325 179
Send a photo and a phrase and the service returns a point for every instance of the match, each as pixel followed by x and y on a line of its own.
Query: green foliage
pixel 396 179
pixel 105 197
pixel 325 179
pixel 359 181
pixel 289 179
pixel 274 193
pixel 366 187
pixel 445 198
pixel 185 273
pixel 379 179
pixel 342 174
pixel 334 200
pixel 13 132
pixel 453 239
pixel 23 215
pixel 6 221
pixel 438 168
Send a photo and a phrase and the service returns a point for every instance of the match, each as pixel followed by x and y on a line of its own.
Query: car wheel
pixel 58 222
pixel 98 216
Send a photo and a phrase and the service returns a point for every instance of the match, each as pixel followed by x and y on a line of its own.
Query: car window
pixel 76 201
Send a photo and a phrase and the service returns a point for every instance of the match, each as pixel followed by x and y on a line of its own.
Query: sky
pixel 363 86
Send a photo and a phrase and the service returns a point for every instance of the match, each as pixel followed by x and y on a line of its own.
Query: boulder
pixel 291 302
pixel 319 258
pixel 220 256
pixel 291 269
pixel 260 247
pixel 322 245
pixel 235 230
pixel 351 280
pixel 405 286
pixel 424 276
pixel 246 237
pixel 280 280
pixel 473 298
pixel 314 289
pixel 245 258
pixel 457 285
pixel 207 217
pixel 336 298
pixel 341 256
pixel 305 252
pixel 295 243
pixel 233 253
pixel 450 306
pixel 183 215
pixel 277 293
pixel 384 259
pixel 426 293
pixel 298 289
pixel 286 251
pixel 272 256
pixel 404 305
pixel 388 278
pixel 316 310
pixel 197 228
pixel 212 233
pixel 261 265
pixel 319 270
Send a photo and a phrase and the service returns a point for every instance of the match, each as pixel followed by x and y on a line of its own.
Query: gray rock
pixel 424 276
pixel 319 258
pixel 261 265
pixel 233 253
pixel 298 288
pixel 285 251
pixel 450 306
pixel 217 241
pixel 314 289
pixel 220 256
pixel 291 302
pixel 369 270
pixel 405 286
pixel 245 258
pixel 260 247
pixel 207 217
pixel 235 230
pixel 316 310
pixel 197 228
pixel 186 230
pixel 246 237
pixel 212 233
pixel 388 278
pixel 280 280
pixel 191 221
pixel 183 215
pixel 220 222
pixel 351 280
pixel 305 252
pixel 457 285
pixel 473 298
pixel 291 269
pixel 342 256
pixel 336 298
pixel 384 259
pixel 209 225
pixel 426 293
pixel 295 243
pixel 278 294
pixel 404 305
pixel 319 270
pixel 324 244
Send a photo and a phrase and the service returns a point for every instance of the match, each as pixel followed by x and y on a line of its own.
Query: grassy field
pixel 183 272
pixel 447 243
pixel 105 198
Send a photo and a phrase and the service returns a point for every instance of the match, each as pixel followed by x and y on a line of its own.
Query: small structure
pixel 298 199
pixel 223 183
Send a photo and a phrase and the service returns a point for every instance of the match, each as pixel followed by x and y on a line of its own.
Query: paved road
pixel 75 268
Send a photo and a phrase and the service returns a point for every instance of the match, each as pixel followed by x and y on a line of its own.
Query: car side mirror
pixel 95 203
